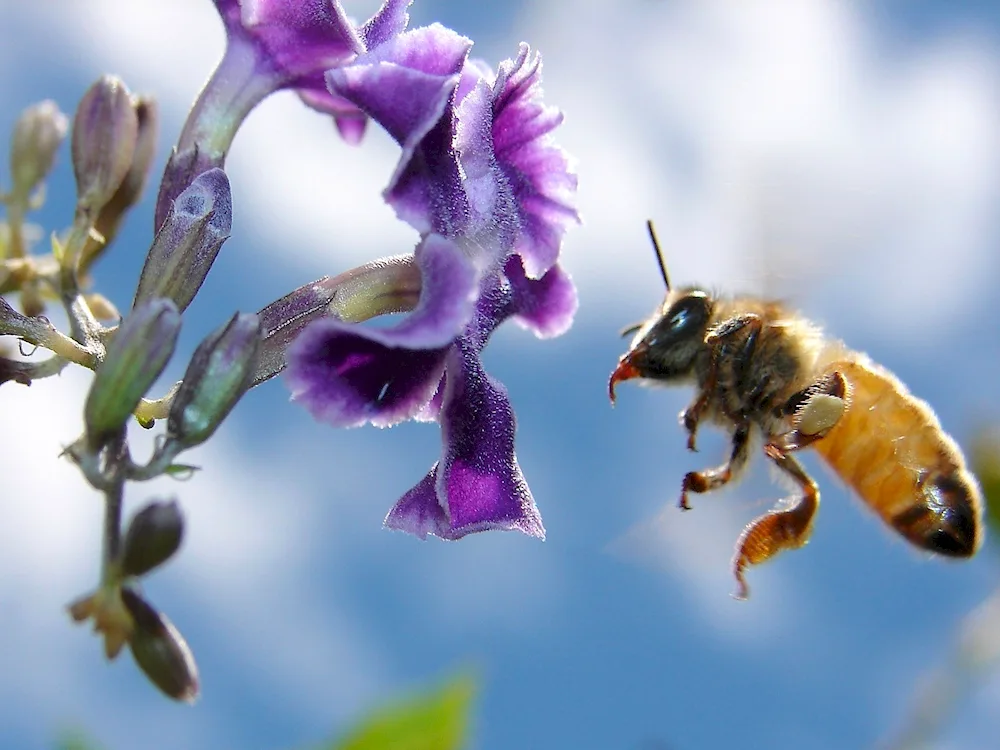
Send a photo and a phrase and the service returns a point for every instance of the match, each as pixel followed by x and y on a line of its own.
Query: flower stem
pixel 113 492
pixel 40 332
pixel 15 223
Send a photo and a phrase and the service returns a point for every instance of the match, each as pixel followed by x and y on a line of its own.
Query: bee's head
pixel 666 346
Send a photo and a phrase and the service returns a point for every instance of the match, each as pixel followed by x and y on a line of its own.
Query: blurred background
pixel 842 155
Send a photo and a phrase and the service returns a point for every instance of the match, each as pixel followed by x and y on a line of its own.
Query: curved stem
pixel 40 332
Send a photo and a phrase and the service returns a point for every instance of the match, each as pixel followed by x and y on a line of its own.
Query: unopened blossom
pixel 491 195
pixel 272 45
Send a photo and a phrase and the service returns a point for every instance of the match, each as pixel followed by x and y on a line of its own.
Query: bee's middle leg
pixel 777 530
pixel 710 479
pixel 814 412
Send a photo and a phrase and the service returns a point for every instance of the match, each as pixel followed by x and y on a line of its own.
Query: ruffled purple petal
pixel 347 374
pixel 431 411
pixel 346 379
pixel 407 85
pixel 449 287
pixel 390 20
pixel 478 485
pixel 351 122
pixel 406 102
pixel 493 221
pixel 479 479
pixel 537 170
pixel 545 306
pixel 418 512
pixel 300 39
pixel 351 129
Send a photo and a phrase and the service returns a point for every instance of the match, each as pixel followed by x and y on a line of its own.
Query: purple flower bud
pixel 188 242
pixel 105 131
pixel 160 650
pixel 217 377
pixel 38 133
pixel 154 535
pixel 137 355
pixel 128 193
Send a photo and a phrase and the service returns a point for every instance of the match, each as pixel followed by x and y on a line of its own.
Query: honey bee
pixel 762 371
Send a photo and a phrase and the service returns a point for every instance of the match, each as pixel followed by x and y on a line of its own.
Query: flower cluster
pixel 491 197
pixel 479 178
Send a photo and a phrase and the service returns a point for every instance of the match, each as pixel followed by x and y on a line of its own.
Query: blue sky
pixel 843 156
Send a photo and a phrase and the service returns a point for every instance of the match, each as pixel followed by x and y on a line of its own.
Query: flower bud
pixel 217 377
pixel 38 133
pixel 137 355
pixel 187 244
pixel 160 650
pixel 105 131
pixel 128 193
pixel 154 535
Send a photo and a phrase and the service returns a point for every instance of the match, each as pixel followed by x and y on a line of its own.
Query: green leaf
pixel 431 720
pixel 986 465
pixel 75 740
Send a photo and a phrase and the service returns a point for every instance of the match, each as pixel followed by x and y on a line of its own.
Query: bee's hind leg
pixel 777 530
pixel 814 412
pixel 710 479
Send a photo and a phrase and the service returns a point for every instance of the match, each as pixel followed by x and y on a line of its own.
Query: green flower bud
pixel 186 245
pixel 217 377
pixel 105 131
pixel 154 535
pixel 160 650
pixel 38 133
pixel 137 355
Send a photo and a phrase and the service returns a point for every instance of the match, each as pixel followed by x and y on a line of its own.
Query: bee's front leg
pixel 692 416
pixel 710 479
pixel 736 339
pixel 787 528
pixel 814 412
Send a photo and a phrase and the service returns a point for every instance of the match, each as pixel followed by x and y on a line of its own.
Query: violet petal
pixel 479 478
pixel 537 170
pixel 407 86
pixel 346 379
pixel 493 219
pixel 390 20
pixel 299 38
pixel 418 512
pixel 348 374
pixel 545 306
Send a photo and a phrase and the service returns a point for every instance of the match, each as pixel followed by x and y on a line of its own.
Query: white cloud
pixel 781 129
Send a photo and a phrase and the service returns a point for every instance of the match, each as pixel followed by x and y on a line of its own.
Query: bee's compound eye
pixel 679 319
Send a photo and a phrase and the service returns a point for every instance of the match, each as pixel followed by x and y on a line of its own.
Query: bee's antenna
pixel 659 253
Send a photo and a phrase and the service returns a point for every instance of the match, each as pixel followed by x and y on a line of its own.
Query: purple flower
pixel 273 45
pixel 491 195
